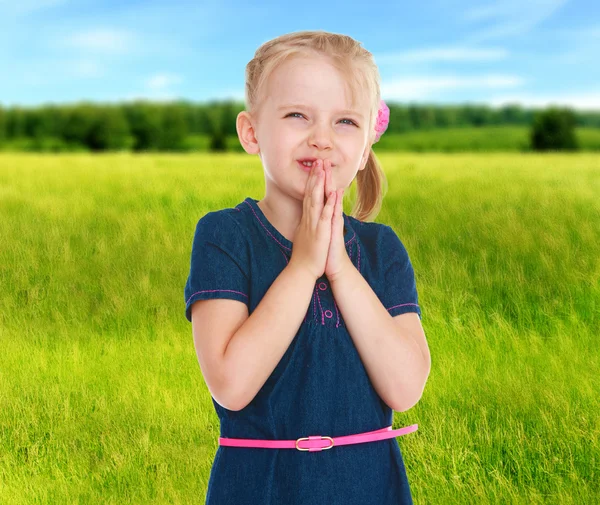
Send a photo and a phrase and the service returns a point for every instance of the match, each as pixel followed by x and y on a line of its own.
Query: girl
pixel 306 320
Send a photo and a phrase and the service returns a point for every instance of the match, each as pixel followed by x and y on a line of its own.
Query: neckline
pixel 270 229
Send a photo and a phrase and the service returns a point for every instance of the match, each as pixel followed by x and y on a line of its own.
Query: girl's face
pixel 305 114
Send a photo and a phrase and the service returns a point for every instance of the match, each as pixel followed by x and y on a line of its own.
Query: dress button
pixel 322 286
pixel 328 313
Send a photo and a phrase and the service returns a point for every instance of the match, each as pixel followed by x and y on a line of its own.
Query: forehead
pixel 313 82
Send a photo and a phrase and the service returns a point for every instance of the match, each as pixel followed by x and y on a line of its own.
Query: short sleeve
pixel 219 262
pixel 399 285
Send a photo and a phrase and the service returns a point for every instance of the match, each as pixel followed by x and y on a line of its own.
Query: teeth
pixel 307 163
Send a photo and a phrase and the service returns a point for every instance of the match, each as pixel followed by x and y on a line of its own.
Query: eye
pixel 298 113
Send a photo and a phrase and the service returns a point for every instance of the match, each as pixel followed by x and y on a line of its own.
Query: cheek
pixel 275 143
pixel 279 135
pixel 343 178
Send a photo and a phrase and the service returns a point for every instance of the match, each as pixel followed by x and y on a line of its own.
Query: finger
pixel 318 164
pixel 326 181
pixel 317 190
pixel 328 188
pixel 339 201
pixel 311 173
pixel 307 188
pixel 329 207
pixel 313 178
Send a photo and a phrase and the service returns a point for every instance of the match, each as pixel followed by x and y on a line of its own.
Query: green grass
pixel 101 396
pixel 469 139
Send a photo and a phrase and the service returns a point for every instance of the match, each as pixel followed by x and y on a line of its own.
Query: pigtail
pixel 371 187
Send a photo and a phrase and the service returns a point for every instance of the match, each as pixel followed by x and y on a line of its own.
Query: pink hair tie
pixel 382 121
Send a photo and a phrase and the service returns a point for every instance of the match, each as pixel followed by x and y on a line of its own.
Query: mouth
pixel 304 167
pixel 308 166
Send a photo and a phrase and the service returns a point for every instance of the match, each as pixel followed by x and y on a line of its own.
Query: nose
pixel 320 136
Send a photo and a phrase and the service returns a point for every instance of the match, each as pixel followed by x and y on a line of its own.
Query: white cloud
pixel 510 18
pixel 229 94
pixel 411 88
pixel 442 54
pixel 10 7
pixel 49 72
pixel 580 101
pixel 85 68
pixel 157 89
pixel 154 97
pixel 160 82
pixel 483 12
pixel 101 40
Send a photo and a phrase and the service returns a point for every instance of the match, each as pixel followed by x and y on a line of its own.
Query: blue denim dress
pixel 320 386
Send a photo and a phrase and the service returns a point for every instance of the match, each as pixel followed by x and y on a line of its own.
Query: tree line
pixel 150 126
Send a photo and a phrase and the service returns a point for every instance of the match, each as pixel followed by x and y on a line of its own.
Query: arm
pixel 394 361
pixel 259 344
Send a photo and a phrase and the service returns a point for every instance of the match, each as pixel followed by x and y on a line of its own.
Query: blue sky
pixel 532 52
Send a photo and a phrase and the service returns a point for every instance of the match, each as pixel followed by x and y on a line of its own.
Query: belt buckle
pixel 309 448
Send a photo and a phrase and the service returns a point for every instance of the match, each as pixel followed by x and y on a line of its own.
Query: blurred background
pixel 169 76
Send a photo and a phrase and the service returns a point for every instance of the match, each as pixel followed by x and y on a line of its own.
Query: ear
pixel 244 125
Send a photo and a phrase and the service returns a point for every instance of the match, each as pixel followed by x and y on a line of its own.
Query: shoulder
pixel 218 235
pixel 367 231
pixel 220 223
pixel 374 235
pixel 221 229
pixel 380 242
pixel 390 240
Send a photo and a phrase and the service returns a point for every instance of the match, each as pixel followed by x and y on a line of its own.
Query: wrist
pixel 301 270
pixel 346 267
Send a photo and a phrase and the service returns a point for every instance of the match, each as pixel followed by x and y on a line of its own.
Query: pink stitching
pixel 286 258
pixel 285 247
pixel 319 299
pixel 337 323
pixel 346 220
pixel 402 305
pixel 261 223
pixel 214 291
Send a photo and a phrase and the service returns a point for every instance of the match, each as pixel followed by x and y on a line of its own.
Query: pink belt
pixel 318 442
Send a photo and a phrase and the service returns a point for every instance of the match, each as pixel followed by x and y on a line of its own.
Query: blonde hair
pixel 356 64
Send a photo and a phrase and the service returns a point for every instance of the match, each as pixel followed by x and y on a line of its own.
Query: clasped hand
pixel 338 260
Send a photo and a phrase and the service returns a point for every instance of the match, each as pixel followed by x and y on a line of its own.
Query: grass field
pixel 101 395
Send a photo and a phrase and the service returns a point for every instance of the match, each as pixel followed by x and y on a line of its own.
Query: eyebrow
pixel 299 105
